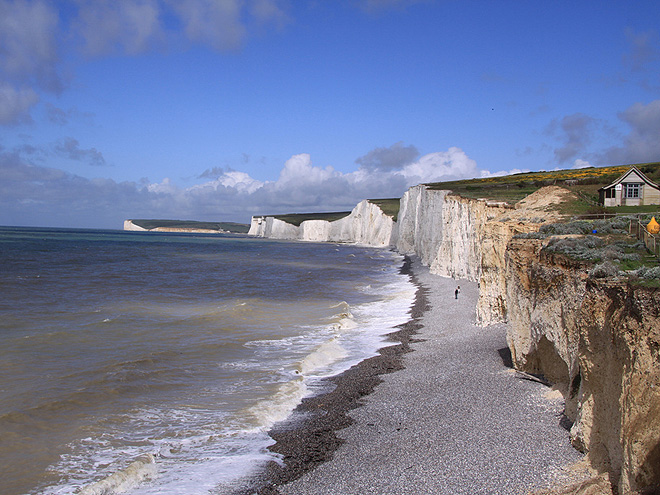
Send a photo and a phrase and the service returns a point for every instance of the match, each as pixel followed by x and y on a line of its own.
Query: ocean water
pixel 148 363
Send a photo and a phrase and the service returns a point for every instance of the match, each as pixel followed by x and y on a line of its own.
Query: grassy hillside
pixel 238 228
pixel 389 206
pixel 585 182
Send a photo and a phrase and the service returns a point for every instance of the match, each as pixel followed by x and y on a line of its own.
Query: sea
pixel 156 363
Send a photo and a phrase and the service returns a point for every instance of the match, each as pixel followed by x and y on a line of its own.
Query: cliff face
pixel 367 225
pixel 467 238
pixel 129 225
pixel 445 231
pixel 598 342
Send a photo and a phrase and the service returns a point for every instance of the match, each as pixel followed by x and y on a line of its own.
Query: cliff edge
pixel 597 340
pixel 366 225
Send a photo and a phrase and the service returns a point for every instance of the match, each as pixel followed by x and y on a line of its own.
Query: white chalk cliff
pixel 366 225
pixel 597 341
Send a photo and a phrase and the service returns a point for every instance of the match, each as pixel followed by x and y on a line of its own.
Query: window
pixel 632 190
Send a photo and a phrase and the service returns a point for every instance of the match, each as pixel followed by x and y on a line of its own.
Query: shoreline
pixel 309 436
pixel 436 412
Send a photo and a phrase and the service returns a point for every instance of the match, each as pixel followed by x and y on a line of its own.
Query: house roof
pixel 632 169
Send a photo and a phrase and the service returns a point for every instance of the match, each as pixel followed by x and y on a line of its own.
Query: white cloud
pixel 643 49
pixel 642 143
pixel 390 158
pixel 28 31
pixel 15 104
pixel 268 11
pixel 502 173
pixel 213 22
pixel 298 171
pixel 70 148
pixel 36 195
pixel 111 25
pixel 164 187
pixel 32 33
pixel 579 163
pixel 28 57
pixel 575 131
pixel 232 179
pixel 440 166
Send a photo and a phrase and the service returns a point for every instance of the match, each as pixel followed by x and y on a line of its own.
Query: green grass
pixel 149 224
pixel 389 206
pixel 583 182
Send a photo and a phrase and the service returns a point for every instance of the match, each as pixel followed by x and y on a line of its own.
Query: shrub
pixel 587 248
pixel 647 272
pixel 579 227
pixel 606 269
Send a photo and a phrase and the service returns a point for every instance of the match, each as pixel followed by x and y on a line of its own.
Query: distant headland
pixel 186 226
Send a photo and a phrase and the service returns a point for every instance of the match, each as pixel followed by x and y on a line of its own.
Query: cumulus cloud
pixel 134 26
pixel 231 179
pixel 216 23
pixel 15 104
pixel 391 158
pixel 575 131
pixel 579 163
pixel 34 32
pixel 643 49
pixel 28 57
pixel 502 173
pixel 642 143
pixel 70 148
pixel 28 31
pixel 440 166
pixel 34 195
pixel 127 26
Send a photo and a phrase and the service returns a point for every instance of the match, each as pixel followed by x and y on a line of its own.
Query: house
pixel 631 189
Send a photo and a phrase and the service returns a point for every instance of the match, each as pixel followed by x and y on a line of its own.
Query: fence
pixel 652 241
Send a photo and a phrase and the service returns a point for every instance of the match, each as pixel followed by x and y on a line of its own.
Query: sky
pixel 217 110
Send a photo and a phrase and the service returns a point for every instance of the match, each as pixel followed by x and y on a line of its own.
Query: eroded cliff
pixel 467 238
pixel 597 340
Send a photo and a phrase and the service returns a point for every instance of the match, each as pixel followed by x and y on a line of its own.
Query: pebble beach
pixel 438 412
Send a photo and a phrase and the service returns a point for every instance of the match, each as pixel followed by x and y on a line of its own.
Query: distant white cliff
pixel 366 225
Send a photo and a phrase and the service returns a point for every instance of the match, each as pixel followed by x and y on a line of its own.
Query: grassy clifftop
pixel 151 224
pixel 585 182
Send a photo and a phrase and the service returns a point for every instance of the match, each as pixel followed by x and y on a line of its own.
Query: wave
pixel 142 469
pixel 323 356
pixel 278 407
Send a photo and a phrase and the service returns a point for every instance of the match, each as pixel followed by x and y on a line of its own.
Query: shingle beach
pixel 448 418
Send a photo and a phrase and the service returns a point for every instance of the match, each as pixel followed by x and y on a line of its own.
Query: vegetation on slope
pixel 149 224
pixel 606 245
pixel 585 182
pixel 389 206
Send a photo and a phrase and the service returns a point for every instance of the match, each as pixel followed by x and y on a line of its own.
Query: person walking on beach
pixel 458 289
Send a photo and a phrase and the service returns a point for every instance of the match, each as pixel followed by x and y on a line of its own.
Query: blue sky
pixel 222 109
